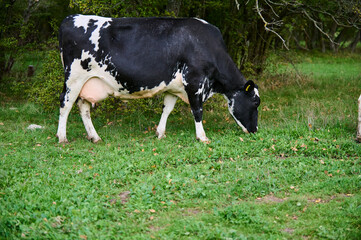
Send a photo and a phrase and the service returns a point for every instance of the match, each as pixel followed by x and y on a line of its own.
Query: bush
pixel 48 83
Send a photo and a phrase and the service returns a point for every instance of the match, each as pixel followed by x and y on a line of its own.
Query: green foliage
pixel 48 84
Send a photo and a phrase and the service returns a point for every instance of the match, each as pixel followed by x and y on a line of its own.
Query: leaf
pixel 83 237
pixel 152 210
pixel 265 109
pixel 304 146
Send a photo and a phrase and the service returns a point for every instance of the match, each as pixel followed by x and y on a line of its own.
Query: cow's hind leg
pixel 67 99
pixel 169 102
pixel 84 108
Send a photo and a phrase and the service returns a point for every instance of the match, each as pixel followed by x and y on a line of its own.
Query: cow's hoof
pixel 94 139
pixel 358 139
pixel 160 134
pixel 204 140
pixel 98 140
pixel 63 140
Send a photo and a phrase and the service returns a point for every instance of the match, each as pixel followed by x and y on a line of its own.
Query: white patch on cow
pixel 359 121
pixel 201 90
pixel 183 73
pixel 177 84
pixel 100 22
pixel 169 102
pixel 61 57
pixel 201 135
pixel 256 92
pixel 201 20
pixel 82 21
pixel 231 111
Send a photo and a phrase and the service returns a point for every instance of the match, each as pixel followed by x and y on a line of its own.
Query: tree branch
pixel 318 27
pixel 267 28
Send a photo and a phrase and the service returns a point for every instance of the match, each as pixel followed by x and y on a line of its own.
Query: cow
pixel 358 135
pixel 133 58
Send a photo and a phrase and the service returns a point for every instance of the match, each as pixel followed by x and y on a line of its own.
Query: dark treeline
pixel 250 28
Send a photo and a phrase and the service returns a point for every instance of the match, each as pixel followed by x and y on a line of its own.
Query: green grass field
pixel 299 177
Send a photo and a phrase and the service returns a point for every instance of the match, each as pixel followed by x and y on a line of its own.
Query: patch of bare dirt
pixel 330 198
pixel 122 198
pixel 288 230
pixel 270 199
pixel 191 211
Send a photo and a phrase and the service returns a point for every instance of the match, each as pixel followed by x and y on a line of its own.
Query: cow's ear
pixel 249 86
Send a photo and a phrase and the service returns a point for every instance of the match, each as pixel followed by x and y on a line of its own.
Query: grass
pixel 298 177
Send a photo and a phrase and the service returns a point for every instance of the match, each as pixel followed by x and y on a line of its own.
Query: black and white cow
pixel 134 58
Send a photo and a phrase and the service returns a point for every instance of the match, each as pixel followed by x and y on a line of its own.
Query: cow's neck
pixel 229 78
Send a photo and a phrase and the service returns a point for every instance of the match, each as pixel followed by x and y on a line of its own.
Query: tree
pixel 27 23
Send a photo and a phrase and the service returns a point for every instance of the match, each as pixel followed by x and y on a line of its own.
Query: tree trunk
pixel 332 34
pixel 2 62
pixel 174 6
pixel 356 40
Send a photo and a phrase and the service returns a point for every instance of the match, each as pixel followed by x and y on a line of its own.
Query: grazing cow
pixel 358 136
pixel 134 58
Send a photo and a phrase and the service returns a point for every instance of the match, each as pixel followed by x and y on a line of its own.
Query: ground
pixel 298 177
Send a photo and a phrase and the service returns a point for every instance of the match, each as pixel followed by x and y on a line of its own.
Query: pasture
pixel 298 177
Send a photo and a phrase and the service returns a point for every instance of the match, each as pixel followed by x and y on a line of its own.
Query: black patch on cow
pixel 85 64
pixel 62 96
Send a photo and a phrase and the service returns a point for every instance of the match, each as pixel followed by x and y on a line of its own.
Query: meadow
pixel 299 177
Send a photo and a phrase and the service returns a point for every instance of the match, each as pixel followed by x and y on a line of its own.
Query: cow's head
pixel 243 106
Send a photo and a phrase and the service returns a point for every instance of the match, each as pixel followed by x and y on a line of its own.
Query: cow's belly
pixel 96 90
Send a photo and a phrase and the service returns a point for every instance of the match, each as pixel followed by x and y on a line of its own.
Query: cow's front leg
pixel 196 105
pixel 169 102
pixel 195 88
pixel 200 133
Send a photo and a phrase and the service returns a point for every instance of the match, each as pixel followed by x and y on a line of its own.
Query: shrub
pixel 48 83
